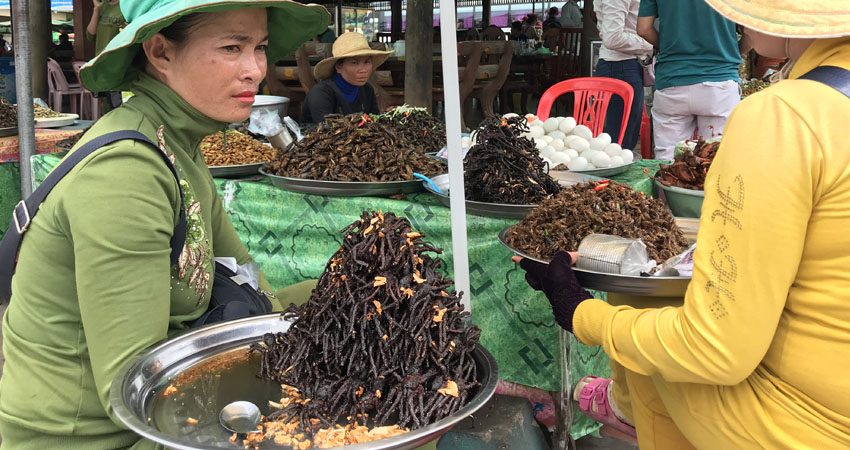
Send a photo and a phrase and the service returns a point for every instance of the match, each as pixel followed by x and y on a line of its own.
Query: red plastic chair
pixel 591 103
pixel 645 136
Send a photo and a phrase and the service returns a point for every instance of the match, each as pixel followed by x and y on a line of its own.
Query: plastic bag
pixel 265 121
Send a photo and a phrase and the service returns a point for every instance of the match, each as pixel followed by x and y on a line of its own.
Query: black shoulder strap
pixel 832 76
pixel 25 210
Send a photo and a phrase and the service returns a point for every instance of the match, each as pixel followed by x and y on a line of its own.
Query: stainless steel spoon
pixel 240 417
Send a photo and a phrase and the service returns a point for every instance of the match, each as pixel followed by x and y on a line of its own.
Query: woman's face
pixel 219 68
pixel 355 70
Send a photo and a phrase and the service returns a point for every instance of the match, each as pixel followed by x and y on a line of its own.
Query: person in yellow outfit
pixel 757 355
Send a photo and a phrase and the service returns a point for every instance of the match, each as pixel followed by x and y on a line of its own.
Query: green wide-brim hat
pixel 789 18
pixel 290 24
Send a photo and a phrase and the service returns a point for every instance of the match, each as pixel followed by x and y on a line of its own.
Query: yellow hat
pixel 346 46
pixel 789 18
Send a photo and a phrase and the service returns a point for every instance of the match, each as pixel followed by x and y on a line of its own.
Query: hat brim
pixel 290 24
pixel 789 18
pixel 325 68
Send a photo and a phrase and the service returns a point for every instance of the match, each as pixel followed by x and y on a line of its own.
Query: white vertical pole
pixel 451 86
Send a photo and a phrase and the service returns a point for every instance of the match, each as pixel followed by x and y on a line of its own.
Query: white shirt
pixel 617 24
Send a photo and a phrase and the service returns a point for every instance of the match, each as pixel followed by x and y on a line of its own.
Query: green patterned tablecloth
pixel 292 236
pixel 10 192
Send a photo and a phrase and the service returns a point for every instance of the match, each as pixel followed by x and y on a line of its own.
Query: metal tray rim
pixel 236 169
pixel 344 188
pixel 637 285
pixel 607 171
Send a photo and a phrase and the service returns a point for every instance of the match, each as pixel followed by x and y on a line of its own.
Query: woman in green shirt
pixel 94 285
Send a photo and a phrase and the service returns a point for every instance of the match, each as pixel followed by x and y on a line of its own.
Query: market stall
pixel 516 322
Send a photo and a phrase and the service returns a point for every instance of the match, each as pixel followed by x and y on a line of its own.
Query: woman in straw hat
pixel 94 284
pixel 757 355
pixel 344 88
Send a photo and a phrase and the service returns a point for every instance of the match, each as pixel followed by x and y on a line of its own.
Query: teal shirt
pixel 94 285
pixel 696 44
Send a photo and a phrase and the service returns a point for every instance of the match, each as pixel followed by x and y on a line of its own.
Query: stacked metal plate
pixel 172 394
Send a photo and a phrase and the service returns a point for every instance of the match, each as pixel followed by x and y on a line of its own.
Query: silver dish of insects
pixel 172 393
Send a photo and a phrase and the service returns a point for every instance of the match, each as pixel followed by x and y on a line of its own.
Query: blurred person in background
pixel 343 87
pixel 551 19
pixel 696 73
pixel 618 58
pixel 571 15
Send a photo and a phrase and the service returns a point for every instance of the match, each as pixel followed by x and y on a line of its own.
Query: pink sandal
pixel 592 391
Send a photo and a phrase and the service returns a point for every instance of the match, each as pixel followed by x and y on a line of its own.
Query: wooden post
pixel 395 20
pixel 590 33
pixel 485 13
pixel 419 53
pixel 83 48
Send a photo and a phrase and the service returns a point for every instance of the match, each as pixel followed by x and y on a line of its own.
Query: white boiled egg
pixel 550 124
pixel 627 156
pixel 583 132
pixel 567 125
pixel 601 160
pixel 613 149
pixel 616 161
pixel 605 137
pixel 577 164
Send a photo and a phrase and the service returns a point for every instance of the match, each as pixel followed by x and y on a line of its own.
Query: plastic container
pixel 613 254
pixel 682 202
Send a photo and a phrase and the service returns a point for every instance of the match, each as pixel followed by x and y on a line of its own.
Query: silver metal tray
pixel 344 188
pixel 499 209
pixel 239 170
pixel 627 284
pixel 211 360
pixel 606 172
pixel 11 131
pixel 55 122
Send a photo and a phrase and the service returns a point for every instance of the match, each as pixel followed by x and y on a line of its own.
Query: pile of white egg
pixel 561 141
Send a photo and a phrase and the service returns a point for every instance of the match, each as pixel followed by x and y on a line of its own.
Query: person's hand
pixel 98 3
pixel 558 282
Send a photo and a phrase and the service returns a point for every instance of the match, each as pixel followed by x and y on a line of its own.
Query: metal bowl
pixel 499 209
pixel 606 172
pixel 628 284
pixel 209 369
pixel 10 131
pixel 238 170
pixel 344 188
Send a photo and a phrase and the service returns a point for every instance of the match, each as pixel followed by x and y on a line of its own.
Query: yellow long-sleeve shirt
pixel 765 324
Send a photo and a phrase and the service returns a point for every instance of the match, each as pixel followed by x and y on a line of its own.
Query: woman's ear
pixel 160 54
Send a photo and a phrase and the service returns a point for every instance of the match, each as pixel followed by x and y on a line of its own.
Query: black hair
pixel 178 33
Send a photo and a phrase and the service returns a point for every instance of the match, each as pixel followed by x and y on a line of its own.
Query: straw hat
pixel 789 18
pixel 347 46
pixel 290 24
